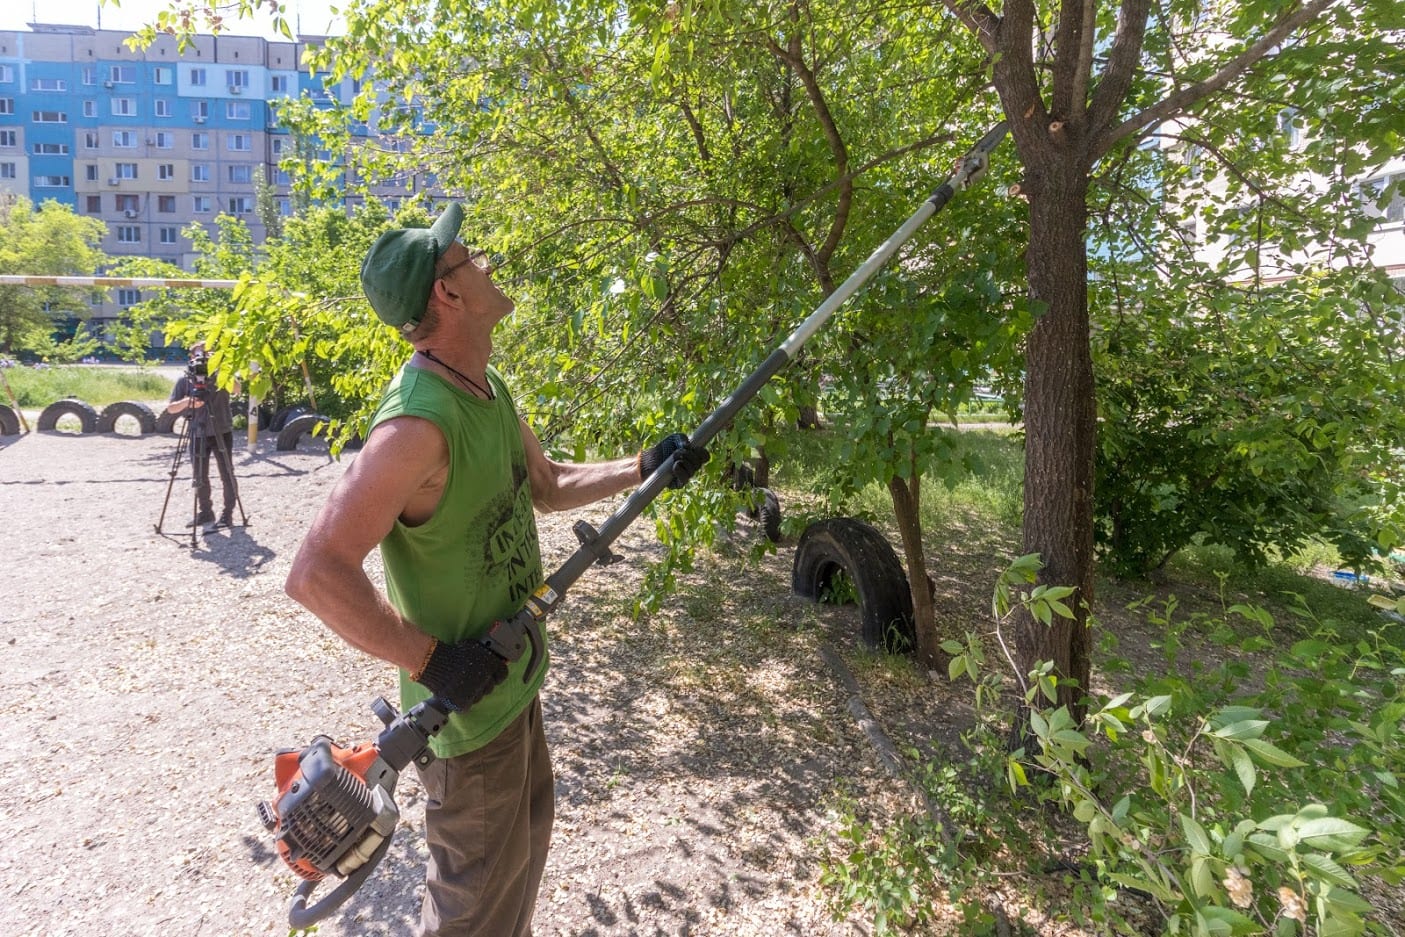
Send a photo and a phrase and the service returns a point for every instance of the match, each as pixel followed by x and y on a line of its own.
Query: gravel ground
pixel 147 684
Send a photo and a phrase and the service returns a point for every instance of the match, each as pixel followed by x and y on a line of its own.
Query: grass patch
pixel 36 388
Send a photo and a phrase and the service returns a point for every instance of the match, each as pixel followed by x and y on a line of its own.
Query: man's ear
pixel 441 291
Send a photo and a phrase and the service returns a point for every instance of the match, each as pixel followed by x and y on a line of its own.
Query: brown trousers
pixel 488 825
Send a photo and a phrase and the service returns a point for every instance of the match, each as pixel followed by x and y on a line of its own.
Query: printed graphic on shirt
pixel 510 547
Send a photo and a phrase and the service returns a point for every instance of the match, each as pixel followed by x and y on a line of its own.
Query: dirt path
pixel 146 685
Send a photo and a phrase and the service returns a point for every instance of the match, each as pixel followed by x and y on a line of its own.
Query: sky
pixel 312 17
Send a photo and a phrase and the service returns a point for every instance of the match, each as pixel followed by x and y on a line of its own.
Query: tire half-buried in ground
pixel 858 550
pixel 146 420
pixel 9 422
pixel 292 431
pixel 87 416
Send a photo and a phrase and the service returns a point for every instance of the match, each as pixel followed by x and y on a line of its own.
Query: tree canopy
pixel 47 240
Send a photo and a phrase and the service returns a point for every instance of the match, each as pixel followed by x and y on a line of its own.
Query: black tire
pixel 769 514
pixel 285 415
pixel 9 422
pixel 741 476
pixel 166 422
pixel 146 420
pixel 87 416
pixel 860 551
pixel 292 431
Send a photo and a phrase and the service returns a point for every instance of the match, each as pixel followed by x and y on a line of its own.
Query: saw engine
pixel 334 811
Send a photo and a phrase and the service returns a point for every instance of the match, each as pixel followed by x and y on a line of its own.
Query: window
pixel 199 140
pixel 90 172
pixel 1291 126
pixel 166 204
pixel 7 105
pixel 241 205
pixel 239 142
pixel 124 139
pixel 199 110
pixel 124 107
pixel 1384 198
pixel 90 108
pixel 9 138
pixel 126 170
pixel 240 175
pixel 281 177
pixel 48 84
pixel 237 110
pixel 161 107
pixel 128 297
pixel 93 204
pixel 52 182
pixel 7 74
pixel 50 117
pixel 90 140
pixel 202 204
pixel 237 78
pixel 122 74
pixel 197 77
pixel 128 234
pixel 168 235
pixel 162 75
pixel 278 84
pixel 51 149
pixel 7 170
pixel 89 75
pixel 199 172
pixel 285 206
pixel 165 140
pixel 127 203
pixel 275 146
pixel 166 171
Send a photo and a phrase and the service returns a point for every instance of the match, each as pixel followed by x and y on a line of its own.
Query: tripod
pixel 190 425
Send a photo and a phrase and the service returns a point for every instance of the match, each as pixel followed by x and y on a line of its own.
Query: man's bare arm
pixel 398 472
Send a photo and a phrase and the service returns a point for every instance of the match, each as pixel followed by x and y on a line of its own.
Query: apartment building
pixel 149 141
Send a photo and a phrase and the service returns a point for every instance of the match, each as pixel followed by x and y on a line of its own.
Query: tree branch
pixel 792 57
pixel 1123 59
pixel 1183 98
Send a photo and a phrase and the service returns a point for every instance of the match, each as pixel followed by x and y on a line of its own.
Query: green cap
pixel 398 271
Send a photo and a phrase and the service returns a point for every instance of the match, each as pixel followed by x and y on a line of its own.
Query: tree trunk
pixel 907 497
pixel 1060 423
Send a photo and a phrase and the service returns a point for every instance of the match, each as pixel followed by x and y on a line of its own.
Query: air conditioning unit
pixel 107 84
pixel 236 89
pixel 130 213
pixel 114 181
pixel 199 119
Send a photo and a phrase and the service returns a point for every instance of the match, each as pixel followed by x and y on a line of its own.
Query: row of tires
pixel 290 423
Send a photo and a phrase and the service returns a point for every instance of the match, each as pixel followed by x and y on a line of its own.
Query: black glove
pixel 688 458
pixel 462 674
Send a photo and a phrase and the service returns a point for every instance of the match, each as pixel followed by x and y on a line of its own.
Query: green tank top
pixel 477 559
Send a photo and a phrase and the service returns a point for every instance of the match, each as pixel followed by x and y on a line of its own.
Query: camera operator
pixel 211 430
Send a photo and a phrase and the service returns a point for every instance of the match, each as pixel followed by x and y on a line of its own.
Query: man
pixel 211 430
pixel 445 485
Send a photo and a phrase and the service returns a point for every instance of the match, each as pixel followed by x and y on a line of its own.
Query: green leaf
pixel 1331 833
pixel 1272 754
pixel 1195 835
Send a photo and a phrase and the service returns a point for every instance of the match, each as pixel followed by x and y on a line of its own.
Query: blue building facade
pixel 149 141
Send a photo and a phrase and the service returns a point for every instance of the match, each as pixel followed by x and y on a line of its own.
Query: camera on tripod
pixel 197 372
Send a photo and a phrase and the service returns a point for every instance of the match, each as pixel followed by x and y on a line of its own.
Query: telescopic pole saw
pixel 334 811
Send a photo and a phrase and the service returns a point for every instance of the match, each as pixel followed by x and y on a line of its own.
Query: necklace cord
pixel 464 378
